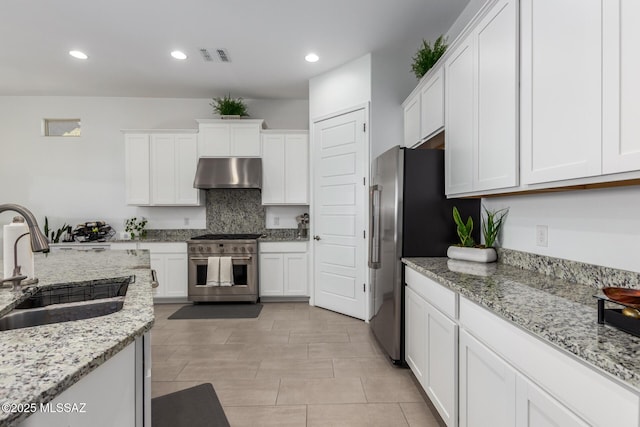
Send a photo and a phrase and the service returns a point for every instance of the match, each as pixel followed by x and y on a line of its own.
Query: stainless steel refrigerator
pixel 410 216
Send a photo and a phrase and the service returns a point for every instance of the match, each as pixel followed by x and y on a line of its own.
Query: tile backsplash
pixel 230 211
pixel 235 211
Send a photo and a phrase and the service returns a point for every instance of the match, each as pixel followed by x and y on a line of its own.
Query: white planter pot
pixel 472 254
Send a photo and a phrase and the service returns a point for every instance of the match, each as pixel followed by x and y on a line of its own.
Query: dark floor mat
pixel 193 407
pixel 218 311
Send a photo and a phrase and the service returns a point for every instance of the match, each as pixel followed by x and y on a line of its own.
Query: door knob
pixel 316 237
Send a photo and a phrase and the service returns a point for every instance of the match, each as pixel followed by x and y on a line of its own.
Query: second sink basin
pixel 77 292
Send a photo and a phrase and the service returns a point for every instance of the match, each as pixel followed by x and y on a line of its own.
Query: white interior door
pixel 340 165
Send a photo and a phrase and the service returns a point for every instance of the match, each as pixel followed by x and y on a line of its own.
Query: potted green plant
pixel 229 107
pixel 136 227
pixel 427 56
pixel 468 250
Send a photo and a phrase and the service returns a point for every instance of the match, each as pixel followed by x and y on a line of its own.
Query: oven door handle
pixel 233 258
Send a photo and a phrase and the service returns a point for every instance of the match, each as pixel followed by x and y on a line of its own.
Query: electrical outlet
pixel 542 235
pixel 186 220
pixel 276 220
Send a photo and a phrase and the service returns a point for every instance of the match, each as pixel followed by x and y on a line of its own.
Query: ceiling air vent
pixel 223 55
pixel 215 55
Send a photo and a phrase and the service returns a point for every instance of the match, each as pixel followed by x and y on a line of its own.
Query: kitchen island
pixel 538 332
pixel 39 363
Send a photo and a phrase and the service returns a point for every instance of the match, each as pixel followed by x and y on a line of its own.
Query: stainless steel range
pixel 241 250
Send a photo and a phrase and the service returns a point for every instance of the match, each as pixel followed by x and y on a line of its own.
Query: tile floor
pixel 295 365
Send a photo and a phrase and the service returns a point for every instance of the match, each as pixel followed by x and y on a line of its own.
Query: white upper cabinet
pixel 621 103
pixel 481 100
pixel 424 109
pixel 412 121
pixel 561 110
pixel 432 104
pixel 229 138
pixel 160 168
pixel 459 119
pixel 285 168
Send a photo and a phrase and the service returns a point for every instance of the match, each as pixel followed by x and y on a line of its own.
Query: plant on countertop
pixel 463 229
pixel 134 227
pixel 427 56
pixel 227 106
pixel 55 236
pixel 491 225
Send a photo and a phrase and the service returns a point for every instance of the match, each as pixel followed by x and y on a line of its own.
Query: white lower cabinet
pixel 535 408
pixel 574 394
pixel 283 269
pixel 169 260
pixel 481 370
pixel 105 397
pixel 487 386
pixel 415 317
pixel 493 393
pixel 431 351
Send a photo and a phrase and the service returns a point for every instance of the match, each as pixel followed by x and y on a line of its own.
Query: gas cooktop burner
pixel 227 237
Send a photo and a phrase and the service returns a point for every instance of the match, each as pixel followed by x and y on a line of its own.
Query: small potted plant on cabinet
pixel 427 56
pixel 468 250
pixel 229 108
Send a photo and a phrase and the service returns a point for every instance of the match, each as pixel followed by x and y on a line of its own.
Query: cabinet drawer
pixel 124 246
pixel 164 248
pixel 589 394
pixel 281 247
pixel 437 295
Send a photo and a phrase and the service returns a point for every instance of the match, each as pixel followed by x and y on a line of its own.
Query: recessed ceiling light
pixel 178 55
pixel 312 57
pixel 78 54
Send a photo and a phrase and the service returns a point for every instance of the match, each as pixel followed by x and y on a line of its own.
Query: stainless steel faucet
pixel 39 242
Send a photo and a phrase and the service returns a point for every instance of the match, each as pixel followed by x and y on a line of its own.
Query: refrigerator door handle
pixel 374 226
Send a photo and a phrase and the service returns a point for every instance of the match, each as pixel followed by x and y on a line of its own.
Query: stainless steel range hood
pixel 228 172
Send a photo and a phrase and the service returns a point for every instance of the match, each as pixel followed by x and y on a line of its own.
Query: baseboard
pixel 284 299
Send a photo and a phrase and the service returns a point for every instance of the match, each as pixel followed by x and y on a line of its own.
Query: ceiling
pixel 128 43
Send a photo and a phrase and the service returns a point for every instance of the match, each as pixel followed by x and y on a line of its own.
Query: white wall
pixel 391 83
pixel 73 180
pixel 463 19
pixel 342 88
pixel 599 227
pixel 283 216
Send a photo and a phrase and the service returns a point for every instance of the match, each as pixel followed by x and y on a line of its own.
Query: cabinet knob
pixel 316 237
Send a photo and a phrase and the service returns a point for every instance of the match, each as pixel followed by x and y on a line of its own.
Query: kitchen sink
pixel 25 318
pixel 64 303
pixel 78 292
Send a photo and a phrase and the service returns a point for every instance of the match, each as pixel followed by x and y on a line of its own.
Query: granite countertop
pixel 38 363
pixel 559 312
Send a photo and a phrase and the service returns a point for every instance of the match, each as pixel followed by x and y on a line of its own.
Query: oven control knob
pixel 208 248
pixel 235 249
pixel 243 249
pixel 221 249
pixel 200 248
pixel 192 249
pixel 249 249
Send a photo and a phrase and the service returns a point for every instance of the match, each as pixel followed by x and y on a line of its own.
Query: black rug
pixel 194 407
pixel 218 311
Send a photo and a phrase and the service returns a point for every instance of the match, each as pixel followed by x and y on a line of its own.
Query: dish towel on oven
pixel 213 271
pixel 226 271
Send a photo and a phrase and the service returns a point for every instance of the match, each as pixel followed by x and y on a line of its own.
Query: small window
pixel 61 127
